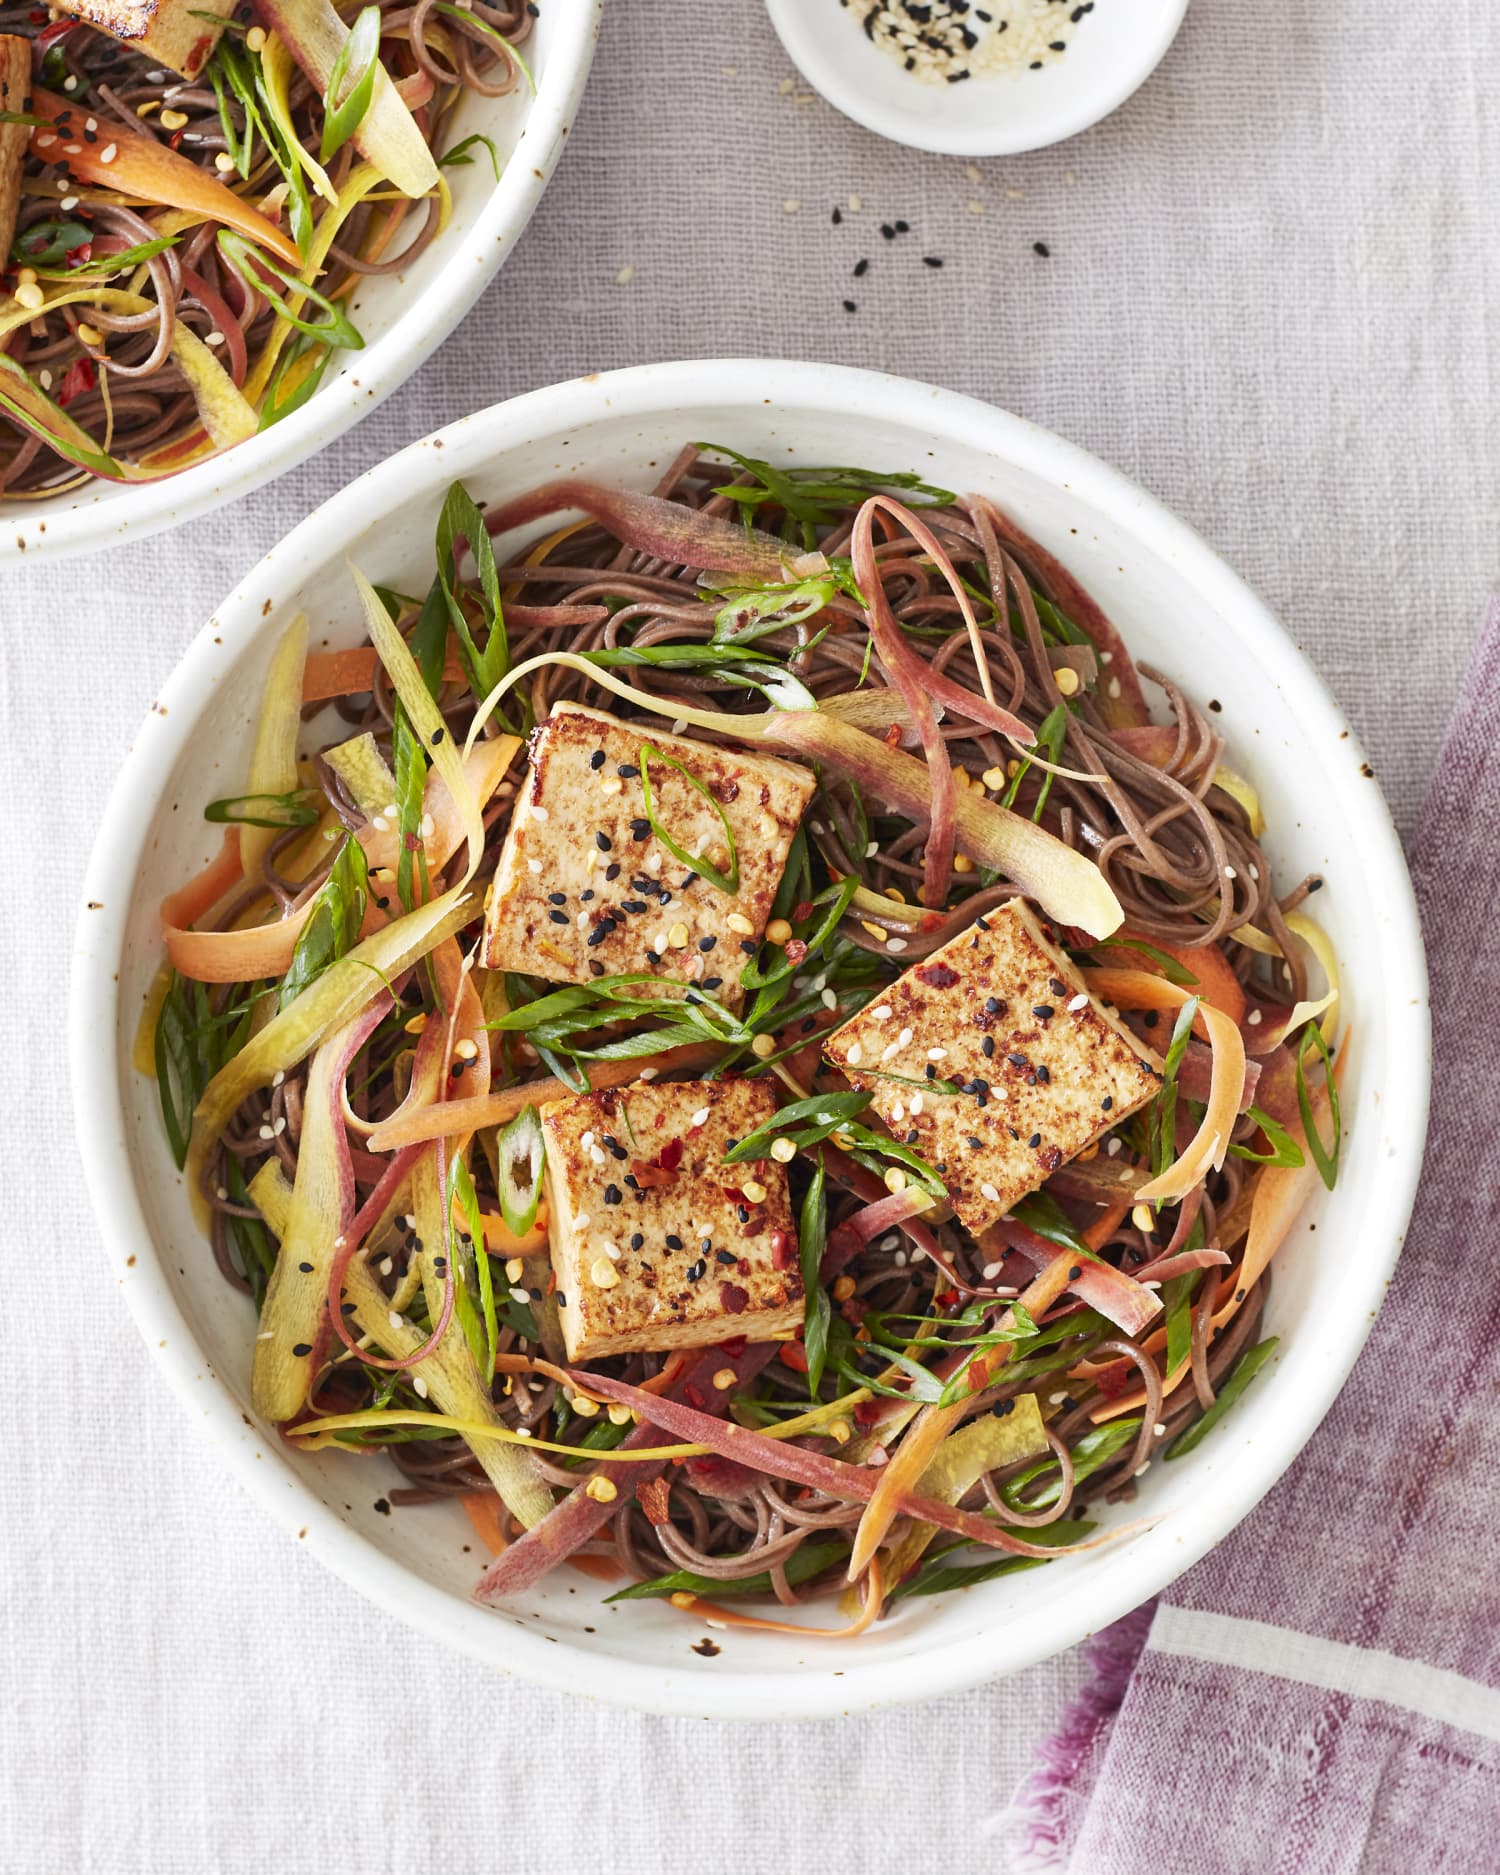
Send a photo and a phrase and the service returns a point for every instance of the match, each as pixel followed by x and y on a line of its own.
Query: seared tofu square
pixel 585 888
pixel 181 34
pixel 1042 1069
pixel 656 1242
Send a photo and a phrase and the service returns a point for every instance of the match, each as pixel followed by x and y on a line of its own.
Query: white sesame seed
pixel 1255 872
pixel 386 1266
pixel 538 812
pixel 394 1317
pixel 612 1251
pixel 700 1118
pixel 990 1272
pixel 937 1054
pixel 881 1014
pixel 895 944
pixel 1141 1470
pixel 892 1048
pixel 871 849
pixel 899 1259
pixel 1159 1429
pixel 903 1040
pixel 898 1112
pixel 1230 873
pixel 596 1155
pixel 650 1074
pixel 1253 1017
pixel 1080 1001
pixel 889 1243
pixel 830 1001
pixel 533 865
pixel 1151 1283
pixel 68 201
pixel 108 153
pixel 988 1191
pixel 467 1050
pixel 581 1222
pixel 916 1102
pixel 1056 1399
pixel 854 1055
pixel 221 1191
pixel 519 1295
pixel 587 1138
pixel 266 1133
pixel 625 275
pixel 1112 1147
pixel 419 1386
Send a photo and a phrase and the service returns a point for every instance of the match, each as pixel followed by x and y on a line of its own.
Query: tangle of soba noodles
pixel 1167 825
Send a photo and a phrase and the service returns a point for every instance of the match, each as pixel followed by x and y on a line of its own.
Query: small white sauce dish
pixel 1111 51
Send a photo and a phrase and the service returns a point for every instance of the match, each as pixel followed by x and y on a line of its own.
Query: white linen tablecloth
pixel 1270 295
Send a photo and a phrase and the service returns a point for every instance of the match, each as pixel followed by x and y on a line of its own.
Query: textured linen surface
pixel 1372 1542
pixel 1269 296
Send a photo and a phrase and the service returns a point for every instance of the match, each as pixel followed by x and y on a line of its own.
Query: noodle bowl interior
pixel 741 1036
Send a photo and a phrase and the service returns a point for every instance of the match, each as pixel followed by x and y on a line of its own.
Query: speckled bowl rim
pixel 93 521
pixel 1140 1569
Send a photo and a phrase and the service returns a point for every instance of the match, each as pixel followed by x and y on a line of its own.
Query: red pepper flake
pixel 551 1288
pixel 802 911
pixel 653 1499
pixel 796 950
pixel 866 1413
pixel 794 1356
pixel 50 35
pixel 670 1156
pixel 734 1347
pixel 1050 1158
pixel 937 976
pixel 693 1397
pixel 781 1250
pixel 651 1177
pixel 734 1299
pixel 81 255
pixel 930 920
pixel 892 736
pixel 82 375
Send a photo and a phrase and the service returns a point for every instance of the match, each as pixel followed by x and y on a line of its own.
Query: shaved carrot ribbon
pixel 266 950
pixel 1276 1201
pixel 1137 989
pixel 872 1601
pixel 505 1103
pixel 139 166
pixel 351 673
pixel 933 1424
pixel 1215 982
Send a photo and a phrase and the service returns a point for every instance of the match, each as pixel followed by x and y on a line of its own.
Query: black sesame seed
pixel 976 1142
pixel 1107 1102
pixel 1044 1075
pixel 639 829
pixel 861 268
pixel 558 917
pixel 674 1242
pixel 747 945
pixel 437 736
pixel 725 1256
pixel 598 936
pixel 712 983
pixel 596 760
pixel 653 958
pixel 613 1194
pixel 987 1046
pixel 930 1071
pixel 1002 1407
pixel 301 1348
pixel 706 1245
pixel 1041 247
pixel 707 944
pixel 1042 1011
pixel 912 1136
pixel 850 306
pixel 596 969
pixel 838 217
pixel 603 842
pixel 1034 1141
pixel 696 1271
pixel 931 260
pixel 887 232
pixel 1075 1272
pixel 632 905
pixel 627 771
pixel 742 1212
pixel 557 898
pixel 993 1005
pixel 1017 1061
pixel 306 1268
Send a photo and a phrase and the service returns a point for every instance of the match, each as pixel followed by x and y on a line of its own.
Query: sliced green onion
pixel 813 1235
pixel 1324 1158
pixel 264 810
pixel 351 83
pixel 255 267
pixel 523 1156
pixel 1284 1149
pixel 728 882
pixel 457 157
pixel 1246 1368
pixel 805 1122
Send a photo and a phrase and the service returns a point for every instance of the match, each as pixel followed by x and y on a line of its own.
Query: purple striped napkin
pixel 1321 1695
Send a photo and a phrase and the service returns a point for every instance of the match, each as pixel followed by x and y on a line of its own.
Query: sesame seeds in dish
pixel 951 41
pixel 737 1033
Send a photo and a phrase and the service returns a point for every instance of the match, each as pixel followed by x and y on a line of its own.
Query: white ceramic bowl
pixel 1180 607
pixel 403 317
pixel 1113 52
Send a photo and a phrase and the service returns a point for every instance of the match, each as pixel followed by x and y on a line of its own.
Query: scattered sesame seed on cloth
pixel 944 42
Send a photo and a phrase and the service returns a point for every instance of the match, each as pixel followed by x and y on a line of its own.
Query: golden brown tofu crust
pixel 1042 1073
pixel 638 1190
pixel 175 33
pixel 580 827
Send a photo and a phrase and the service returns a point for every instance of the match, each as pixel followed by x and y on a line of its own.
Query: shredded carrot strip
pixel 484 1513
